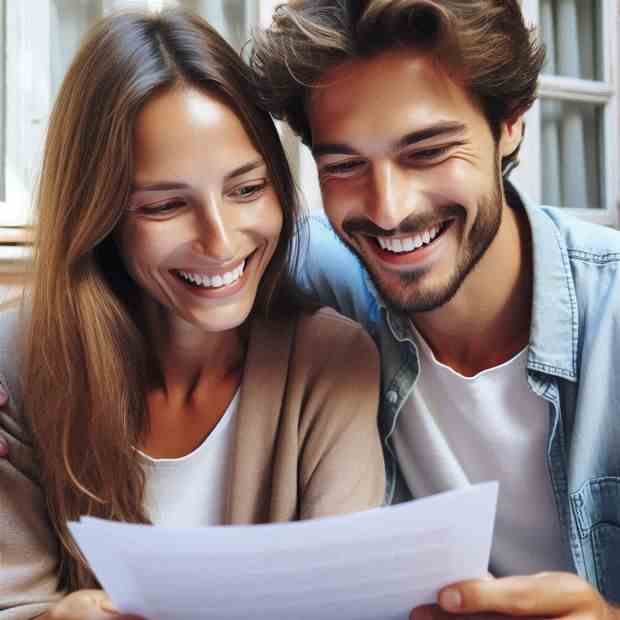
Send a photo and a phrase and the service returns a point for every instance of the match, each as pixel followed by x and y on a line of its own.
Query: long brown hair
pixel 484 42
pixel 86 358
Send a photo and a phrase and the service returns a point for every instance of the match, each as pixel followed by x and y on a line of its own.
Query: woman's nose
pixel 215 230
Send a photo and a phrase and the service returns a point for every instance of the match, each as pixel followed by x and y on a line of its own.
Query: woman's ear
pixel 512 134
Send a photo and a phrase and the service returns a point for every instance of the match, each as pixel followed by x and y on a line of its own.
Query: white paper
pixel 374 565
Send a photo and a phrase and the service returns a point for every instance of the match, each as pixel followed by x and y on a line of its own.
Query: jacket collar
pixel 262 388
pixel 554 332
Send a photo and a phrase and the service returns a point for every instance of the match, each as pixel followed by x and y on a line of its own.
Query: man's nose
pixel 393 195
pixel 215 231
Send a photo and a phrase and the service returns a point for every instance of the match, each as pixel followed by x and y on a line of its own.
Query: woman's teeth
pixel 218 281
pixel 408 244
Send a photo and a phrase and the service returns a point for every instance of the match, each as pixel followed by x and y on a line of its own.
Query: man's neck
pixel 488 320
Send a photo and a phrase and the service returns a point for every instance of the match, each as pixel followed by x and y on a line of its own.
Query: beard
pixel 409 296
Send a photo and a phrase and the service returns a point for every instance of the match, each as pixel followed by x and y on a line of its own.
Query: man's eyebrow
pixel 332 149
pixel 170 185
pixel 447 129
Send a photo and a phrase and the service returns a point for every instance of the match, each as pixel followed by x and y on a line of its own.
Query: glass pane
pixel 231 18
pixel 572 147
pixel 572 33
pixel 70 21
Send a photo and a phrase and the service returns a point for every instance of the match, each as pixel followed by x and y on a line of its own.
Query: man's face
pixel 410 174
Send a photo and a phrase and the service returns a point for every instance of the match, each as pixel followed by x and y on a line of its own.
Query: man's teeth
pixel 408 244
pixel 217 281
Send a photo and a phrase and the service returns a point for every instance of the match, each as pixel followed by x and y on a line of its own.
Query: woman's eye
pixel 162 208
pixel 249 191
pixel 342 168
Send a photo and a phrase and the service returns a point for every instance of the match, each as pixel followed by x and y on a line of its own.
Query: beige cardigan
pixel 306 445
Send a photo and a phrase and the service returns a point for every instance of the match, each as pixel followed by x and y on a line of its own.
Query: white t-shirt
pixel 457 430
pixel 191 491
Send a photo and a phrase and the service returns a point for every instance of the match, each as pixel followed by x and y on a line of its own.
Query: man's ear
pixel 512 134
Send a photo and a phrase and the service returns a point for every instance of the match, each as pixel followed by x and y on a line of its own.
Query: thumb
pixel 102 607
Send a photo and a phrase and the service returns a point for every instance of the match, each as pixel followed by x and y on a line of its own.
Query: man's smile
pixel 407 250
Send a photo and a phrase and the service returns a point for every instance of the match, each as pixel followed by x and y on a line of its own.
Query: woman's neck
pixel 185 353
pixel 199 373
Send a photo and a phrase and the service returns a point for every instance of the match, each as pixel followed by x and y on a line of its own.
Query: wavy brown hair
pixel 86 356
pixel 484 42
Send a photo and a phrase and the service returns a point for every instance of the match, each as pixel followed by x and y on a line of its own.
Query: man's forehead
pixel 388 93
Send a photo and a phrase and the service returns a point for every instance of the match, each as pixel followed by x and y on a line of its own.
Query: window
pixel 41 39
pixel 570 154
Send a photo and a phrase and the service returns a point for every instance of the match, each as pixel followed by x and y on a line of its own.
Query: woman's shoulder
pixel 327 325
pixel 327 337
pixel 310 348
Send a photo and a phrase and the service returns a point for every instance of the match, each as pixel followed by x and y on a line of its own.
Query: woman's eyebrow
pixel 170 185
pixel 158 187
pixel 241 170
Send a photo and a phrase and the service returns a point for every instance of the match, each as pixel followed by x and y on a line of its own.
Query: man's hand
pixel 550 595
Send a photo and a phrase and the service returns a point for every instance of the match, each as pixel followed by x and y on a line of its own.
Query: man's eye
pixel 342 168
pixel 249 191
pixel 428 154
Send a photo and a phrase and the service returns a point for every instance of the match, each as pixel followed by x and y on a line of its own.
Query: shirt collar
pixel 554 332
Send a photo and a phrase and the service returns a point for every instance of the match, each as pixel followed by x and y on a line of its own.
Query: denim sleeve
pixel 329 272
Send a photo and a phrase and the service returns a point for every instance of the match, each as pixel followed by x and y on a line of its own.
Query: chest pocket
pixel 596 507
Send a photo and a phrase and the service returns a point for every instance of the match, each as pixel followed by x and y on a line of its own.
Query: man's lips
pixel 408 249
pixel 409 243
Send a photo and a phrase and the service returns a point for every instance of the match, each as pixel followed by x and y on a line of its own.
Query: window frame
pixel 605 93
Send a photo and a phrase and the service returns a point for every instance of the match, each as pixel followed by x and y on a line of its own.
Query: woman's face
pixel 203 220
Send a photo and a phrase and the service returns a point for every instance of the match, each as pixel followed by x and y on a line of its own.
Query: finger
pixel 90 605
pixel 429 612
pixel 434 612
pixel 106 605
pixel 551 594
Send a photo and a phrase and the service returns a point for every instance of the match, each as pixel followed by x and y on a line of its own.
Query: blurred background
pixel 570 157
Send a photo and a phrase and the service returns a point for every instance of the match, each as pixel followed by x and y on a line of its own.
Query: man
pixel 498 321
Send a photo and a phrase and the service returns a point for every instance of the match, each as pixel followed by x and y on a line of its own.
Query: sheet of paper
pixel 374 565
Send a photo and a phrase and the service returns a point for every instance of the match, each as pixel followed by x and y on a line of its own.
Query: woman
pixel 167 373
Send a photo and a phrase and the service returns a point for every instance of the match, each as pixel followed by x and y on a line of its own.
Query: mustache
pixel 412 224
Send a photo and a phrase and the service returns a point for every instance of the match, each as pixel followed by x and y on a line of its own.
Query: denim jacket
pixel 573 363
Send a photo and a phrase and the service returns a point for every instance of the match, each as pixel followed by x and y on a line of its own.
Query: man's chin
pixel 409 294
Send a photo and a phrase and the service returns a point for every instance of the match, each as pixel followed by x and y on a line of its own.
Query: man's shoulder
pixel 585 241
pixel 330 272
pixel 592 254
pixel 320 244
